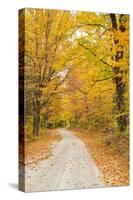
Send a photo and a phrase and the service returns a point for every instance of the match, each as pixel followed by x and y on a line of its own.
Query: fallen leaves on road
pixel 41 148
pixel 113 166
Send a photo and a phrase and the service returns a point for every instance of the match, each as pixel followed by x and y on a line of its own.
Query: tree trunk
pixel 120 100
pixel 86 105
pixel 118 80
pixel 36 117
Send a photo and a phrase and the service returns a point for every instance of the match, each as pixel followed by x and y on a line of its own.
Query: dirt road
pixel 70 167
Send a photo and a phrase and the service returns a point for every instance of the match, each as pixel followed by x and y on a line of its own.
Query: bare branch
pixel 109 29
pixel 62 81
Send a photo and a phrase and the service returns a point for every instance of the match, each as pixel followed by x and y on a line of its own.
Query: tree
pixel 119 27
pixel 45 46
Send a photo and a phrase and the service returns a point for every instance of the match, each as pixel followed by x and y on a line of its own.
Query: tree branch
pixel 101 60
pixel 104 79
pixel 88 24
pixel 62 81
pixel 109 29
pixel 55 88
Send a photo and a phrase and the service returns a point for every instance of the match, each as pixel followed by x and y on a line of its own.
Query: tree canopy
pixel 76 69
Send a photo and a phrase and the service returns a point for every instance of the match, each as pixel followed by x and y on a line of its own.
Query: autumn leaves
pixel 72 75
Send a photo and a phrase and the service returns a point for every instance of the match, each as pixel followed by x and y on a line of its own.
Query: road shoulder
pixel 114 167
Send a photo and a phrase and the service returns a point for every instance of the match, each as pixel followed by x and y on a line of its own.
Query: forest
pixel 76 71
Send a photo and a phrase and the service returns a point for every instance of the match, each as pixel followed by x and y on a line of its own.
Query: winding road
pixel 70 167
